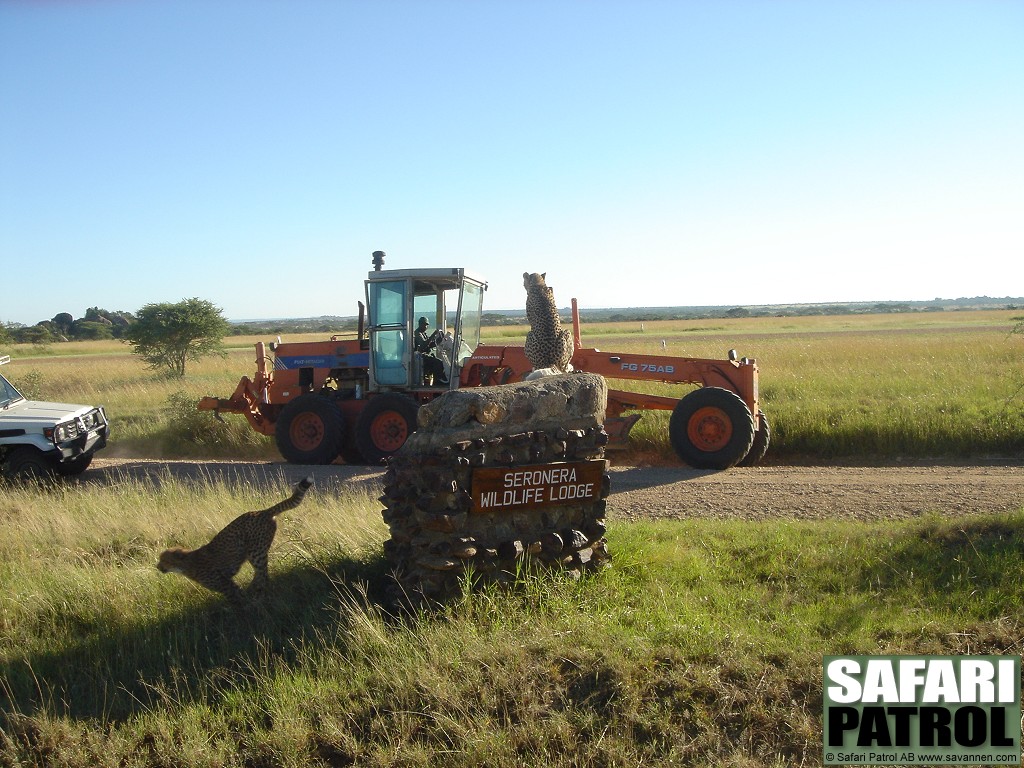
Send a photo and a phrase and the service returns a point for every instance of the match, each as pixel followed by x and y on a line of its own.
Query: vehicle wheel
pixel 76 466
pixel 310 430
pixel 711 428
pixel 762 437
pixel 27 464
pixel 384 425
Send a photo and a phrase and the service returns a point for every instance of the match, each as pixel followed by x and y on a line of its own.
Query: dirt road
pixel 863 493
pixel 677 492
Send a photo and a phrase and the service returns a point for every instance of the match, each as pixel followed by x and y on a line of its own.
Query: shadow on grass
pixel 114 673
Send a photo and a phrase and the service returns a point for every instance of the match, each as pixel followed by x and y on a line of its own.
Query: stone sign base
pixel 498 479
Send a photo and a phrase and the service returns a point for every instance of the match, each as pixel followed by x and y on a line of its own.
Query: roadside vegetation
pixel 701 645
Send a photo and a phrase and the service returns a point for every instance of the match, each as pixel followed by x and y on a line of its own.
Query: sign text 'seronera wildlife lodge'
pixel 497 489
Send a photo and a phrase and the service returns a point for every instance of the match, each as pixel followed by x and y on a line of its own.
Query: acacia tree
pixel 167 335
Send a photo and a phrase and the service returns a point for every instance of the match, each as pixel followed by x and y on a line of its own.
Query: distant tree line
pixel 331 324
pixel 325 325
pixel 96 324
pixel 641 314
pixel 165 335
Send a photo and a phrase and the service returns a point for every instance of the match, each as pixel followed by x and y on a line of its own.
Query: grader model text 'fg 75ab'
pixel 358 398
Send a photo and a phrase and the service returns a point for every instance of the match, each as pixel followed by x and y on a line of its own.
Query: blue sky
pixel 642 153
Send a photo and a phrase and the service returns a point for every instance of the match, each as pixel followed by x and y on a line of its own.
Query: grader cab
pixel 358 398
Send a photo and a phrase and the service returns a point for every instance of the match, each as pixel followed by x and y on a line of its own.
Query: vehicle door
pixel 390 336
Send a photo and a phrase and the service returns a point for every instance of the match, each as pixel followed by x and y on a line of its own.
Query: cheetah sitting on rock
pixel 549 347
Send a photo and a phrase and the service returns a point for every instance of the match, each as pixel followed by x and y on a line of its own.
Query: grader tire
pixel 762 438
pixel 310 430
pixel 711 428
pixel 384 425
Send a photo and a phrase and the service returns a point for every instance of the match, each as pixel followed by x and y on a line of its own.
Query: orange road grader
pixel 358 398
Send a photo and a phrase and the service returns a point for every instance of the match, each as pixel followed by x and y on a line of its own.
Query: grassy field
pixel 861 387
pixel 702 645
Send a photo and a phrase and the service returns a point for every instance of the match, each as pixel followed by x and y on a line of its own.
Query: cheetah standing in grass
pixel 247 537
pixel 548 345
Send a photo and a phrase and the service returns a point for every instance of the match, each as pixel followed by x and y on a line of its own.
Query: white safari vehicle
pixel 42 439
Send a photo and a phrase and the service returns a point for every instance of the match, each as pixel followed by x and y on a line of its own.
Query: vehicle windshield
pixel 8 394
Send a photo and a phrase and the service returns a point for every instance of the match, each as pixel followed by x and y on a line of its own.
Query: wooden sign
pixel 504 489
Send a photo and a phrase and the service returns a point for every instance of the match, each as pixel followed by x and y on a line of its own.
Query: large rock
pixel 496 479
pixel 570 401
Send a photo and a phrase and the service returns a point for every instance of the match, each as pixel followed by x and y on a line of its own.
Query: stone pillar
pixel 497 479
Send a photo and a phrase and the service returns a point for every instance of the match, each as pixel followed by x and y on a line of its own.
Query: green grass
pixel 701 645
